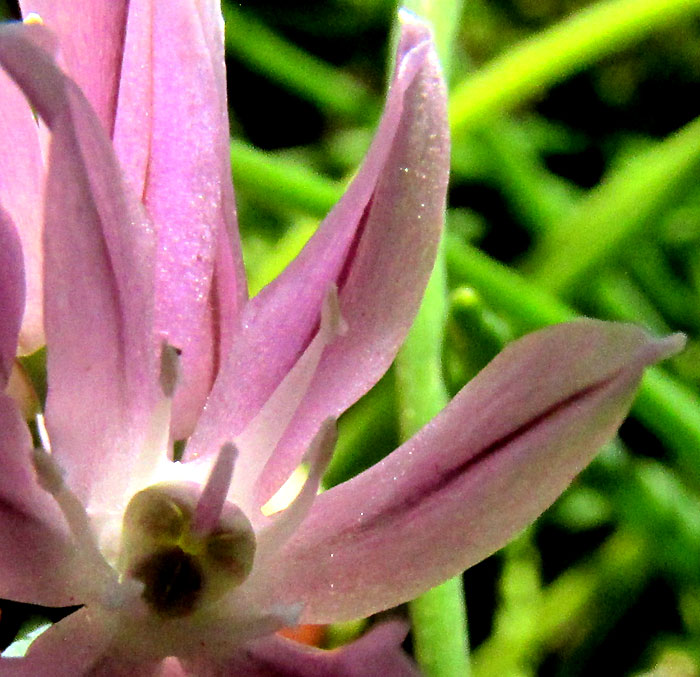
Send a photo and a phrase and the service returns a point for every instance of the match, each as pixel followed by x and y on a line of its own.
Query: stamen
pixel 331 318
pixel 169 369
pixel 213 497
pixel 265 430
pixel 50 478
pixel 157 444
pixel 283 524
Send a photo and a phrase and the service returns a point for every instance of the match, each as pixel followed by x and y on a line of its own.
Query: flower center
pixel 181 568
pixel 173 582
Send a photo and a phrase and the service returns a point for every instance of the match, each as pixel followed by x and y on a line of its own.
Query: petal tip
pixel 669 346
pixel 415 30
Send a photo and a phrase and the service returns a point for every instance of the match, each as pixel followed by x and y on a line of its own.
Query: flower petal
pixel 377 245
pixel 21 186
pixel 498 455
pixel 79 646
pixel 35 553
pixel 11 294
pixel 99 252
pixel 171 136
pixel 378 652
pixel 90 35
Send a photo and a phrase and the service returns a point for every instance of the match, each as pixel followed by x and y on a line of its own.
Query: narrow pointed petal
pixel 498 455
pixel 21 185
pixel 11 294
pixel 171 136
pixel 90 35
pixel 99 252
pixel 35 552
pixel 378 652
pixel 377 246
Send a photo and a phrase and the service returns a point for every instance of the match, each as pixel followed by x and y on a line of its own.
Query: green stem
pixel 615 213
pixel 590 34
pixel 621 299
pixel 658 279
pixel 294 186
pixel 537 195
pixel 439 622
pixel 439 615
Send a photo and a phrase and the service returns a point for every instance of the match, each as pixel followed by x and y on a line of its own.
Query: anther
pixel 331 317
pixel 169 369
pixel 48 473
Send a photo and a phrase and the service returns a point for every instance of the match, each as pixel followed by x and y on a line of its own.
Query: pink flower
pixel 177 569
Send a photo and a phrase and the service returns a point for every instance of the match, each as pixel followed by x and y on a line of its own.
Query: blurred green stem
pixel 588 35
pixel 603 588
pixel 262 50
pixel 616 213
pixel 438 616
pixel 294 185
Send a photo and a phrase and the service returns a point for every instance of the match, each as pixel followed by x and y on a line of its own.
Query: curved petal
pixel 79 646
pixel 11 294
pixel 90 35
pixel 99 251
pixel 498 455
pixel 21 186
pixel 377 245
pixel 35 553
pixel 171 137
pixel 378 652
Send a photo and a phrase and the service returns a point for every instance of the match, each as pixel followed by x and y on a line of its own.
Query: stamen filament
pixel 157 442
pixel 283 524
pixel 50 477
pixel 213 497
pixel 265 430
